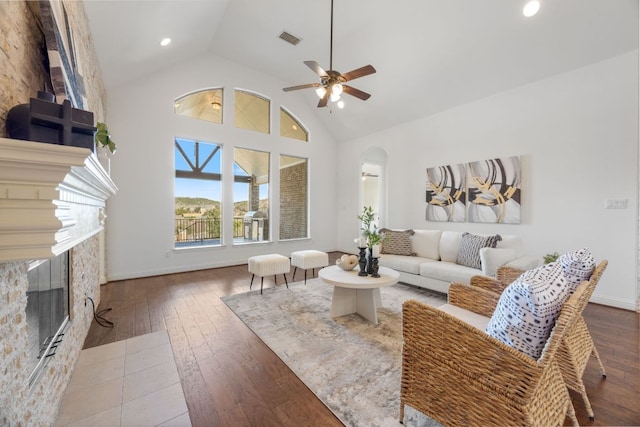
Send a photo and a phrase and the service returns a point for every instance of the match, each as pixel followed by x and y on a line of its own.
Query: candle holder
pixel 362 262
pixel 370 262
pixel 374 267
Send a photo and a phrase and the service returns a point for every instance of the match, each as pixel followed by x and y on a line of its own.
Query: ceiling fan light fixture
pixel 334 97
pixel 337 89
pixel 321 91
pixel 340 104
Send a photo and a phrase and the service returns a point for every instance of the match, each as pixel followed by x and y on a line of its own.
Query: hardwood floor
pixel 231 378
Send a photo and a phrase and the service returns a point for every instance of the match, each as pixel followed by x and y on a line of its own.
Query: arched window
pixel 198 194
pixel 290 127
pixel 251 111
pixel 203 105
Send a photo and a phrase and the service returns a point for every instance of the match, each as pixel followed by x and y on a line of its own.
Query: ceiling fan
pixel 331 84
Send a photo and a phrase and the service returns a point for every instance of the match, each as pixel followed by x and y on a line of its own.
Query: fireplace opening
pixel 47 310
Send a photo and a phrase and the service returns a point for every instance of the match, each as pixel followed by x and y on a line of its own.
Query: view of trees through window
pixel 198 192
pixel 198 185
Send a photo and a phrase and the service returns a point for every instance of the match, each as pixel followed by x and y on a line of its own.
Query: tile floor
pixel 126 383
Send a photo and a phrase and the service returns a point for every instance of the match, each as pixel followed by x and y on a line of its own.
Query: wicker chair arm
pixel 488 283
pixel 507 275
pixel 475 299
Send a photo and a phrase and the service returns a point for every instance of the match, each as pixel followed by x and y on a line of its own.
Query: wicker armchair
pixel 459 375
pixel 577 345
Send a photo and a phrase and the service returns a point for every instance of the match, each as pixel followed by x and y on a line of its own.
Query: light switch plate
pixel 615 204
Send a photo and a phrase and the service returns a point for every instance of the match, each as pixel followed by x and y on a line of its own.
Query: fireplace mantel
pixel 52 197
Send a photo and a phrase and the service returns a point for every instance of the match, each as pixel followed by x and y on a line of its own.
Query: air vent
pixel 289 38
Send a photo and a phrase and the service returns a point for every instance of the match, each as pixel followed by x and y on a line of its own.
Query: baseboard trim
pixel 615 302
pixel 171 270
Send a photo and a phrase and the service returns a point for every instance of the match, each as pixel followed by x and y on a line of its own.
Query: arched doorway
pixel 373 182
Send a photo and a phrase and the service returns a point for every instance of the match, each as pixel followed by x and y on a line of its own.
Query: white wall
pixel 141 216
pixel 577 135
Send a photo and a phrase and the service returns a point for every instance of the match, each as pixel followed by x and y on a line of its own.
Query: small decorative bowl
pixel 347 262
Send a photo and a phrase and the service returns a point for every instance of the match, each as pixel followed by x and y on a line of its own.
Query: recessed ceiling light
pixel 165 41
pixel 531 8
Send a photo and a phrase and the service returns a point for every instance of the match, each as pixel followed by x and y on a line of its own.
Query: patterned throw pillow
pixel 578 267
pixel 470 245
pixel 528 308
pixel 397 242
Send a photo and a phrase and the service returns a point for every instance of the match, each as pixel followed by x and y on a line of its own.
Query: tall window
pixel 202 105
pixel 251 195
pixel 293 198
pixel 251 111
pixel 198 177
pixel 198 202
pixel 290 127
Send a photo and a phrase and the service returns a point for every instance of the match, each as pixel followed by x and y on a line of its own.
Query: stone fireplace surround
pixel 52 199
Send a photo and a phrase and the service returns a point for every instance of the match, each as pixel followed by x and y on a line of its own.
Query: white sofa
pixel 434 264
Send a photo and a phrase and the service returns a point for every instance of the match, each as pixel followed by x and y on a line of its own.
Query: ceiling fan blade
pixel 316 68
pixel 324 100
pixel 287 89
pixel 356 92
pixel 360 72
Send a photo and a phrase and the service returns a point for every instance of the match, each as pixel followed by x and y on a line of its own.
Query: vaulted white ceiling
pixel 430 55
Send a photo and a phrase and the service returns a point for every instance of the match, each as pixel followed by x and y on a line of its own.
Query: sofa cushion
pixel 426 243
pixel 470 245
pixel 492 258
pixel 577 266
pixel 448 271
pixel 527 309
pixel 397 242
pixel 513 242
pixel 449 245
pixel 403 263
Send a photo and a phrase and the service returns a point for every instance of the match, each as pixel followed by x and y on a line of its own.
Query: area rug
pixel 352 365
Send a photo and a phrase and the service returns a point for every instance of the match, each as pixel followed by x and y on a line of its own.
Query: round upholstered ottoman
pixel 309 259
pixel 267 265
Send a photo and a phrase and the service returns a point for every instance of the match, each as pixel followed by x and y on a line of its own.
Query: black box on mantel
pixel 44 121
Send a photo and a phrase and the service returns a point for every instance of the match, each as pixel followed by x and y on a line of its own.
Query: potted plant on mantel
pixel 103 139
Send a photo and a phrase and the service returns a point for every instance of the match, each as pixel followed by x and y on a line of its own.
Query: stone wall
pixel 293 189
pixel 22 74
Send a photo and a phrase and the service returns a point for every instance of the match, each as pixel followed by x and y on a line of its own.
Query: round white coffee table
pixel 357 294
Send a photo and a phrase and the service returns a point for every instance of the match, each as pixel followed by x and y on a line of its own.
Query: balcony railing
pixel 191 230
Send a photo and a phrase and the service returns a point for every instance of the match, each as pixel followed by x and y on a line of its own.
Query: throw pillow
pixel 578 267
pixel 492 258
pixel 397 242
pixel 469 253
pixel 528 308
